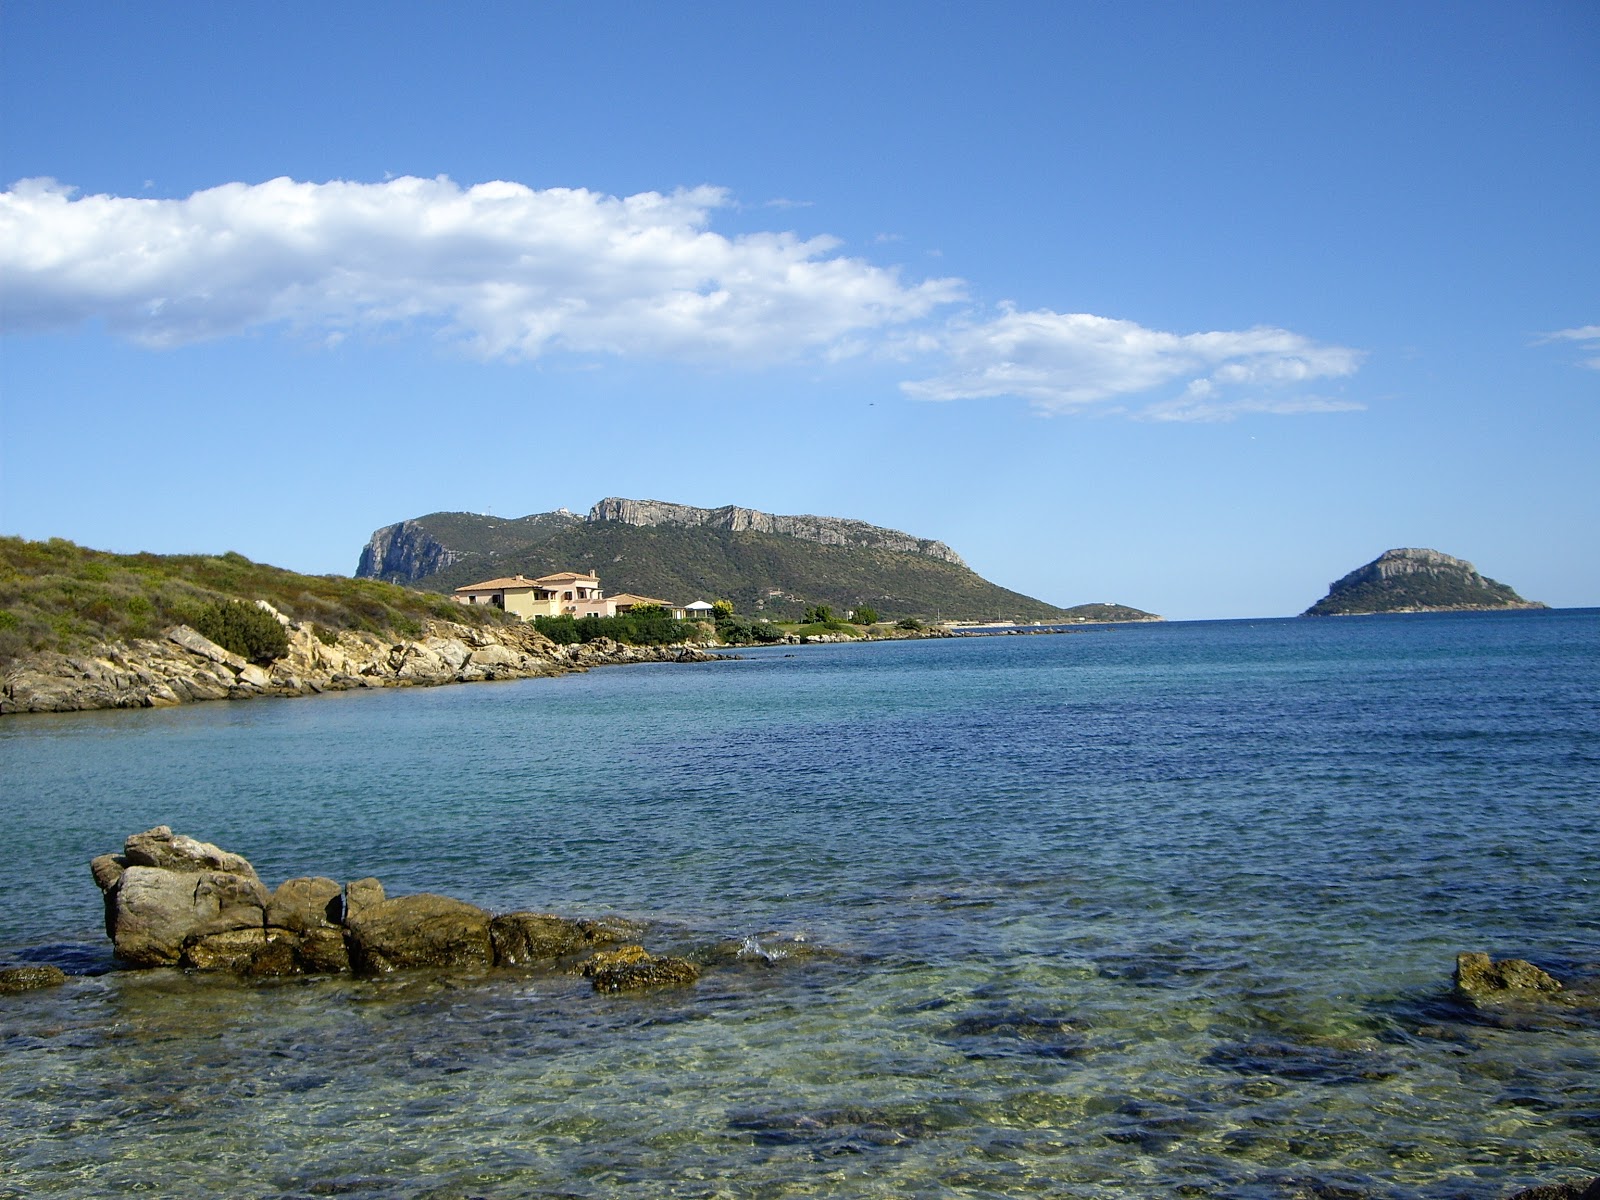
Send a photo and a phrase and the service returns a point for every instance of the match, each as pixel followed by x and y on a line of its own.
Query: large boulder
pixel 525 939
pixel 307 903
pixel 423 930
pixel 360 895
pixel 153 911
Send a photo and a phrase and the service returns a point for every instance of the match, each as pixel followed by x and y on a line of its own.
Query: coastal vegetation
pixel 59 596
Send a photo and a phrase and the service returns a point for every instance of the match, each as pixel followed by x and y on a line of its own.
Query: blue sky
pixel 1190 307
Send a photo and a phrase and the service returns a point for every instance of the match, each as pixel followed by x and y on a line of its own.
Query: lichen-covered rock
pixel 524 939
pixel 27 979
pixel 229 950
pixel 360 895
pixel 310 902
pixel 423 930
pixel 1480 979
pixel 632 968
pixel 322 952
pixel 155 911
pixel 160 847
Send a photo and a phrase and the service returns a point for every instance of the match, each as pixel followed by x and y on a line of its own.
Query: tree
pixel 866 615
pixel 819 614
pixel 722 610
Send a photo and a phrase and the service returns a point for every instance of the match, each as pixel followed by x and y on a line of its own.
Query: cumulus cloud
pixel 1588 339
pixel 511 271
pixel 1067 362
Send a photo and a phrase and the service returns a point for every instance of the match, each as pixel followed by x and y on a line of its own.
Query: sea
pixel 1163 910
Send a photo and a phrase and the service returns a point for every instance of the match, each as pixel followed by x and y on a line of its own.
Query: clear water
pixel 1148 911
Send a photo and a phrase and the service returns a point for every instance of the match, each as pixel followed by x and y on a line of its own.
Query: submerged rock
pixel 1479 979
pixel 632 968
pixel 1580 1190
pixel 27 979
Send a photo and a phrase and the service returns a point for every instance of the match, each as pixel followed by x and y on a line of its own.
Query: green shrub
pixel 908 623
pixel 248 631
pixel 866 615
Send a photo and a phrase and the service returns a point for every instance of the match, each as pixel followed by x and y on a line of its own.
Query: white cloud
pixel 1587 336
pixel 516 273
pixel 1067 362
pixel 508 270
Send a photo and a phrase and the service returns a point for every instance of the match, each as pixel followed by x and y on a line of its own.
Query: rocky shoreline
pixel 184 667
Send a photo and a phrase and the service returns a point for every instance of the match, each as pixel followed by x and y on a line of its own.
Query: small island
pixel 1415 581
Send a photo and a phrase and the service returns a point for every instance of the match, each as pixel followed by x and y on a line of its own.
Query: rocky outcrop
pixel 404 553
pixel 1481 980
pixel 184 666
pixel 172 901
pixel 828 531
pixel 1413 580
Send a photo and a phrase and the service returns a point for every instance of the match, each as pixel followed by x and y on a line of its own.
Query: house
pixel 517 594
pixel 547 596
pixel 567 592
pixel 699 610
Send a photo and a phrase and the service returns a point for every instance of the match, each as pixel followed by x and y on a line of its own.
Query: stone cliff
pixel 828 531
pixel 403 552
pixel 1416 580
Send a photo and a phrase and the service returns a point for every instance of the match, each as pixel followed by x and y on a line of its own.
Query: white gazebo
pixel 698 610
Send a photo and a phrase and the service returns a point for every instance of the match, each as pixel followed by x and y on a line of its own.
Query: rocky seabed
pixel 183 666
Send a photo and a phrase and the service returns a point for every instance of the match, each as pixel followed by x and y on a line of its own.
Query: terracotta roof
pixel 628 598
pixel 566 577
pixel 495 585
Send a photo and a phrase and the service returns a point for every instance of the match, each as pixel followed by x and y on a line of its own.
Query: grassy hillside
pixel 59 596
pixel 763 574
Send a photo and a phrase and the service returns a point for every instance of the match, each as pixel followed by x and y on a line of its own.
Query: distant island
pixel 768 567
pixel 1414 581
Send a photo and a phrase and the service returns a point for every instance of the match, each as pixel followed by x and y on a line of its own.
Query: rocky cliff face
pixel 828 531
pixel 1415 580
pixel 403 553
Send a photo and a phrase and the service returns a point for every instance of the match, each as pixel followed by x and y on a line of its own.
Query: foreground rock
pixel 632 968
pixel 171 900
pixel 28 979
pixel 1480 980
pixel 183 666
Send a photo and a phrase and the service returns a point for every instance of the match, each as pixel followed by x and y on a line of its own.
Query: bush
pixel 910 623
pixel 248 631
pixel 866 615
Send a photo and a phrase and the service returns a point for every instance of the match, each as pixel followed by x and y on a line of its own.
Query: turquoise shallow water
pixel 1146 911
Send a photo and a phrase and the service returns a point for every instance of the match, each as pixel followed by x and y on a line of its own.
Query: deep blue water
pixel 1136 911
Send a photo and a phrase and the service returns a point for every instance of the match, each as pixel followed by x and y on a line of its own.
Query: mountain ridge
pixel 768 565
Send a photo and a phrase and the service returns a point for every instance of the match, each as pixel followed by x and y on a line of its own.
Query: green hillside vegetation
pixel 56 595
pixel 764 575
